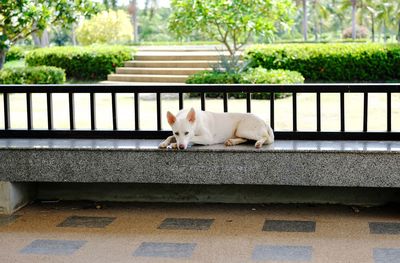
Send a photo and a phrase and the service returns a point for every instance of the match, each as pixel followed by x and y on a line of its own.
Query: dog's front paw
pixel 258 144
pixel 229 142
pixel 174 145
pixel 163 145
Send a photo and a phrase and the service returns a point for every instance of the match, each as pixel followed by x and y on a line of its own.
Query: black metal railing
pixel 137 133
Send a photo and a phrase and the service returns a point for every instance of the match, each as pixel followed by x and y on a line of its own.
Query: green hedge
pixel 261 75
pixel 32 75
pixel 17 52
pixel 331 62
pixel 83 63
pixel 252 76
pixel 214 77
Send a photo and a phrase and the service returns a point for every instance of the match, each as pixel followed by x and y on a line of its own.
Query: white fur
pixel 212 128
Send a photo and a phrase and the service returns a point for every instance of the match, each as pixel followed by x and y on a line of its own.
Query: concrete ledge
pixel 293 163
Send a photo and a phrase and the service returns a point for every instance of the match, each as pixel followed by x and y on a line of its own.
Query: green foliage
pixel 32 75
pixel 213 77
pixel 252 76
pixel 231 22
pixel 15 53
pixel 108 27
pixel 331 62
pixel 21 18
pixel 85 63
pixel 154 28
pixel 275 76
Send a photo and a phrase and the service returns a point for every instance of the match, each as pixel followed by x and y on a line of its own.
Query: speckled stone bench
pixel 289 163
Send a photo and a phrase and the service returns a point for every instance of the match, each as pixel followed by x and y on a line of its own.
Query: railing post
pixel 49 110
pixel 6 105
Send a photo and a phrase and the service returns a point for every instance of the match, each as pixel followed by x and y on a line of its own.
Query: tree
pixel 386 14
pixel 231 22
pixel 305 20
pixel 20 18
pixel 107 27
pixel 353 18
pixel 149 7
pixel 319 13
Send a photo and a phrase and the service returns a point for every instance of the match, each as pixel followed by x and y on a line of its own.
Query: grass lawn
pixel 283 115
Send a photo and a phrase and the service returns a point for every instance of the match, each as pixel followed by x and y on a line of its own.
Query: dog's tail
pixel 270 135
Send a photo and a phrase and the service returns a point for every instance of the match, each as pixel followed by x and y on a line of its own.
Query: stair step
pixel 180 57
pixel 202 48
pixel 147 78
pixel 201 64
pixel 159 71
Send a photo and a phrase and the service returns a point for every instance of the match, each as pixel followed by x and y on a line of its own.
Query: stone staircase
pixel 166 64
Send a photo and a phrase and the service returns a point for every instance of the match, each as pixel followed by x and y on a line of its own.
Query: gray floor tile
pixel 6 220
pixel 53 247
pixel 289 226
pixel 86 221
pixel 387 255
pixel 390 228
pixel 186 223
pixel 167 250
pixel 282 253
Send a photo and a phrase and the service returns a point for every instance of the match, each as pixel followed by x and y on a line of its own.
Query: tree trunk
pixel 373 27
pixel 36 39
pixel 73 35
pixel 398 33
pixel 353 19
pixel 316 29
pixel 384 32
pixel 305 28
pixel 44 39
pixel 3 53
pixel 134 21
pixel 41 40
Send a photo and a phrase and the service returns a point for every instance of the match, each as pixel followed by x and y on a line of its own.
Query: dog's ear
pixel 191 116
pixel 171 118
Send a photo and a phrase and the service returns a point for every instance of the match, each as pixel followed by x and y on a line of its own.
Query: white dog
pixel 204 127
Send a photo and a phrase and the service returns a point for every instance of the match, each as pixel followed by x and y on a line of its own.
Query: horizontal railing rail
pixel 225 90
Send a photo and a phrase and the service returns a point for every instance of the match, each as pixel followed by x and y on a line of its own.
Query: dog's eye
pixel 186 133
pixel 177 133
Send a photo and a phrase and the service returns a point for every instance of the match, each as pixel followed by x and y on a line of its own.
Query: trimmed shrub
pixel 14 53
pixel 83 63
pixel 253 76
pixel 331 62
pixel 214 77
pixel 261 75
pixel 17 52
pixel 32 75
pixel 361 32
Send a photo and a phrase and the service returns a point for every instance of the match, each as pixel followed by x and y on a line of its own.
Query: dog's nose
pixel 181 146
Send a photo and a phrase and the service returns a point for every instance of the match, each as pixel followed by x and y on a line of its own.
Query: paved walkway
pixel 80 232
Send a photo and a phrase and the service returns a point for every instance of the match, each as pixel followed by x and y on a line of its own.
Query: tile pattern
pixel 282 253
pixel 289 226
pixel 86 221
pixel 165 250
pixel 228 235
pixel 53 247
pixel 186 224
pixel 387 255
pixel 390 228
